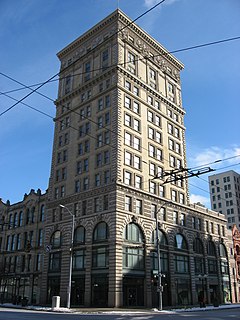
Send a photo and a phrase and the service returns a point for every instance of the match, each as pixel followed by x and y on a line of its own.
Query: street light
pixel 71 258
pixel 202 277
pixel 160 287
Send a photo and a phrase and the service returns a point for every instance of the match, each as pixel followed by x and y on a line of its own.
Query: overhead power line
pixel 120 64
pixel 54 76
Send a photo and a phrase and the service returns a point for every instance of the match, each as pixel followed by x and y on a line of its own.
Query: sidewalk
pixel 119 310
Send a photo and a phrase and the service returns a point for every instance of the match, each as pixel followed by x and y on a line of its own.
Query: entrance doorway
pixel 133 292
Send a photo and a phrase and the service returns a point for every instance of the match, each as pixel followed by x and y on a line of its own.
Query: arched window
pixel 56 239
pixel 198 246
pixel 15 223
pixel 180 242
pixel 100 232
pixel 181 258
pixel 211 249
pixel 133 256
pixel 133 233
pixel 164 253
pixel 20 219
pixel 161 236
pixel 42 213
pixel 79 235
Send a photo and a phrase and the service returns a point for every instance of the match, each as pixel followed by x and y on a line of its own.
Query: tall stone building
pixel 224 188
pixel 119 146
pixel 119 132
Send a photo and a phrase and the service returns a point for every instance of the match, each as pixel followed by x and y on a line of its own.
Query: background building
pixel 236 269
pixel 225 195
pixel 21 248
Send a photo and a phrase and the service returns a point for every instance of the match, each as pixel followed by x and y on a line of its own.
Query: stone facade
pixel 22 248
pixel 119 139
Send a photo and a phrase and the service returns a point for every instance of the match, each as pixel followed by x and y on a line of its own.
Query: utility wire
pixel 27 105
pixel 100 44
pixel 90 120
pixel 25 86
pixel 216 161
pixel 122 64
pixel 224 199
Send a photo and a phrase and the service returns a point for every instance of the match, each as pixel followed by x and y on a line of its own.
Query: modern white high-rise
pixel 225 195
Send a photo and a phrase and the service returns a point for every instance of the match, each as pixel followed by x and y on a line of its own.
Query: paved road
pixel 218 314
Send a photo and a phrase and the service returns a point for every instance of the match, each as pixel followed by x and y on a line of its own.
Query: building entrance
pixel 133 292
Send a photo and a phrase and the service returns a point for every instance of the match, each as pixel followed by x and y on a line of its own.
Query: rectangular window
pixel 137 162
pixel 128 85
pixel 136 91
pixel 131 66
pixel 128 178
pixel 136 107
pixel 105 57
pixel 105 202
pixel 77 186
pixel 55 262
pixel 128 102
pixel 136 125
pixel 138 206
pixel 97 180
pixel 181 264
pixel 128 203
pixel 175 217
pixel 87 70
pixel 78 259
pixel 136 143
pixel 85 183
pixel 128 158
pixel 96 204
pixel 182 219
pixel 100 257
pixel 128 120
pixel 106 176
pixel 138 182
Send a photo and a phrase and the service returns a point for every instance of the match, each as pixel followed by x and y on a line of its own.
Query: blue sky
pixel 33 31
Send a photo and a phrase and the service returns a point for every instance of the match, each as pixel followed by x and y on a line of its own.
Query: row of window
pixel 101 179
pixel 132 67
pixel 88 68
pixel 24 241
pixel 134 253
pixel 153 102
pixel 83 184
pixel 23 263
pixel 18 219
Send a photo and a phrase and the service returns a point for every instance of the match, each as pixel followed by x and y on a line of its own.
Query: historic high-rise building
pixel 225 195
pixel 119 133
pixel 118 156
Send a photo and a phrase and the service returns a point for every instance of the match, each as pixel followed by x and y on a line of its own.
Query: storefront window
pixel 79 235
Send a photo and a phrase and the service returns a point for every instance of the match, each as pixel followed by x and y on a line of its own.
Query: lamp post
pixel 71 258
pixel 202 277
pixel 160 287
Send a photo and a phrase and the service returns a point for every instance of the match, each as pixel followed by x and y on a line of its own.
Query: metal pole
pixel 160 287
pixel 69 288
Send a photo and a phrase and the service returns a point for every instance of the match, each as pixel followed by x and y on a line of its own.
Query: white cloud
pixel 195 198
pixel 217 155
